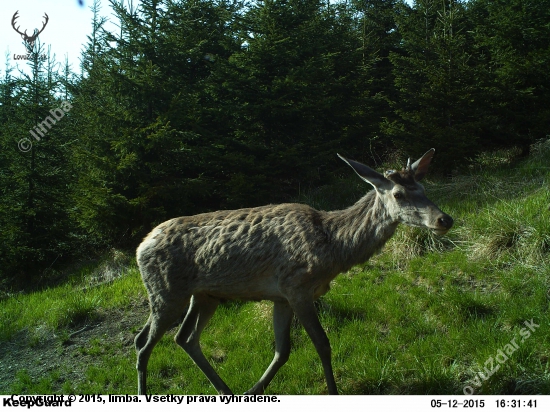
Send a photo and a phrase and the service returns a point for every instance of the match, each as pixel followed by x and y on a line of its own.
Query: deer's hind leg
pixel 200 311
pixel 161 318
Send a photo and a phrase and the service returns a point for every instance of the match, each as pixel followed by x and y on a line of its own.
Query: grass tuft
pixel 513 231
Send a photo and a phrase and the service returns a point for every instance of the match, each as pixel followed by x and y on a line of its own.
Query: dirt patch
pixel 63 353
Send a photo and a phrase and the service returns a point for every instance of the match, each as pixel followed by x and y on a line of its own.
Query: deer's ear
pixel 367 174
pixel 420 167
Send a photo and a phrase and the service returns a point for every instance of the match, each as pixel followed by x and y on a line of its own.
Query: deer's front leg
pixel 282 317
pixel 307 315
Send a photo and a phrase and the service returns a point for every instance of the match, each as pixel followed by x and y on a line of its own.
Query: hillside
pixel 427 316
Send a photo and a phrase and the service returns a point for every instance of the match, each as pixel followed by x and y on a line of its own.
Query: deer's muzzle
pixel 444 223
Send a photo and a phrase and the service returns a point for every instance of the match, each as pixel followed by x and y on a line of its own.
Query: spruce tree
pixel 435 80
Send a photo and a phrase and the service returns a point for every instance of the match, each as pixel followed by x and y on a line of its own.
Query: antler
pixel 36 33
pixel 15 16
pixel 43 24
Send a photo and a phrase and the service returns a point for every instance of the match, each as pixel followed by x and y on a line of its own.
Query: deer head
pixel 403 197
pixel 29 39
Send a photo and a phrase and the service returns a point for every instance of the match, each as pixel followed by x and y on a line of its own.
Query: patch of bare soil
pixel 64 354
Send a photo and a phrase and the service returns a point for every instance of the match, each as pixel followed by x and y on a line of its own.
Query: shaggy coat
pixel 286 253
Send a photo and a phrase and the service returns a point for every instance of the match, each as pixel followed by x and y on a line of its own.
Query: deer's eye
pixel 398 195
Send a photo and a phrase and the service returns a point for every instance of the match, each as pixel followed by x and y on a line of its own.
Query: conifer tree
pixel 35 171
pixel 515 37
pixel 435 80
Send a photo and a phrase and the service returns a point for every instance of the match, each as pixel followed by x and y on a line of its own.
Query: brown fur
pixel 247 253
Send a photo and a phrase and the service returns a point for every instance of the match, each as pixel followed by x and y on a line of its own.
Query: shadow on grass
pixel 341 313
pixel 536 386
pixel 478 310
pixel 437 385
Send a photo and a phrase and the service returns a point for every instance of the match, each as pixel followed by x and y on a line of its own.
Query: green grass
pixel 65 306
pixel 423 317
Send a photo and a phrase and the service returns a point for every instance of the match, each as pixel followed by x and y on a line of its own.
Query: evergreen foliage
pixel 197 105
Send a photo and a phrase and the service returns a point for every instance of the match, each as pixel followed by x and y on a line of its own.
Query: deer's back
pixel 242 253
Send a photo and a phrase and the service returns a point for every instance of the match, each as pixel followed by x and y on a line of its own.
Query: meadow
pixel 462 313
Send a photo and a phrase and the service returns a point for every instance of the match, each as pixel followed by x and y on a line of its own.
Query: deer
pixel 286 253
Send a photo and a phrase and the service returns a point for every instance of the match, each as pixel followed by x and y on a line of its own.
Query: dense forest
pixel 198 105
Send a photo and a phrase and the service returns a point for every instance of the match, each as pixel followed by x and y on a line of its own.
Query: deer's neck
pixel 360 230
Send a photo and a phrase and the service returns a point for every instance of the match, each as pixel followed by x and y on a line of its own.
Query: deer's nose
pixel 446 221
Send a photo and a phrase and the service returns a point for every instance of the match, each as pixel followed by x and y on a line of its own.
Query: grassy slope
pixel 425 316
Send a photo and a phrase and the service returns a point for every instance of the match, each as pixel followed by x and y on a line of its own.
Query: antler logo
pixel 29 39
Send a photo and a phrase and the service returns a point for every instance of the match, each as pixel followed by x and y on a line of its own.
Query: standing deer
pixel 286 253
